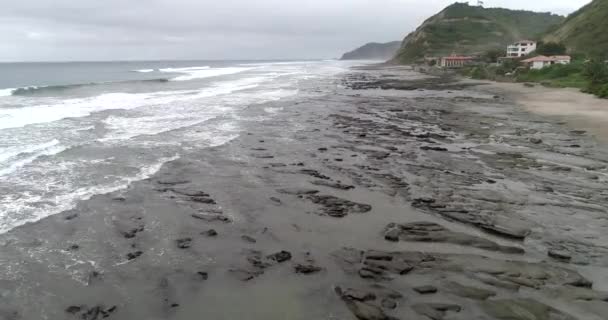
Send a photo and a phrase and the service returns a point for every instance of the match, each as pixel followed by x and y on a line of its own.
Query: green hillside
pixel 585 31
pixel 464 29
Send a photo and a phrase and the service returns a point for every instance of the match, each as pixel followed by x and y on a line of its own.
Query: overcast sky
pixel 62 30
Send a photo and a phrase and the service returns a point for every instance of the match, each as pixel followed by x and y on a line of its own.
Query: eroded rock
pixel 337 207
pixel 359 308
pixel 433 232
pixel 426 289
pixel 469 291
pixel 307 268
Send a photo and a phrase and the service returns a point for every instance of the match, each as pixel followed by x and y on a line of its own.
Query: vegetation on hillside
pixel 550 48
pixel 465 29
pixel 558 75
pixel 596 72
pixel 585 31
pixel 590 76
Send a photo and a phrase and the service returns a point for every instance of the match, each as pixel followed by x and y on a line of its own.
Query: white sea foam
pixel 144 70
pixel 81 107
pixel 273 110
pixel 13 151
pixel 19 117
pixel 281 63
pixel 202 72
pixel 7 92
pixel 214 135
pixel 123 128
pixel 24 158
pixel 157 124
pixel 186 114
pixel 39 208
pixel 183 70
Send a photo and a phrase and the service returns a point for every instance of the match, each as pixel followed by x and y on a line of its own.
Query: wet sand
pixel 386 195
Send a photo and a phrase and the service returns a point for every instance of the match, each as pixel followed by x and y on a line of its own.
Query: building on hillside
pixel 540 62
pixel 455 61
pixel 521 48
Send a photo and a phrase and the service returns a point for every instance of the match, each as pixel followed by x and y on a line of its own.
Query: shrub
pixel 596 72
pixel 556 71
pixel 603 92
pixel 492 55
pixel 600 90
pixel 511 64
pixel 551 48
pixel 479 72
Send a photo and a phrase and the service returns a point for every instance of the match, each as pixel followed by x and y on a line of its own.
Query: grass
pixel 561 76
pixel 572 81
pixel 575 75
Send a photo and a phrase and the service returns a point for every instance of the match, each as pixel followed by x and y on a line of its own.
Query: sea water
pixel 69 131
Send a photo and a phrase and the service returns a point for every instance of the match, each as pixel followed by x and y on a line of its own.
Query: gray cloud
pixel 211 29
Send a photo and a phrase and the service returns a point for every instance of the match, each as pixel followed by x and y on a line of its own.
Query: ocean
pixel 69 131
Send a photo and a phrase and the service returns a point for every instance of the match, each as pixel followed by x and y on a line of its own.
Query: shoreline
pixel 426 198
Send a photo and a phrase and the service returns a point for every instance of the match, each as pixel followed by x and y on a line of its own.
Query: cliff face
pixel 584 31
pixel 373 51
pixel 465 29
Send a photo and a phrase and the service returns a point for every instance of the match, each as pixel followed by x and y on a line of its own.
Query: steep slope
pixel 373 51
pixel 585 31
pixel 465 29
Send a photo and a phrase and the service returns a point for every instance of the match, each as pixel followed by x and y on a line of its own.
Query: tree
pixel 551 48
pixel 508 66
pixel 492 55
pixel 596 71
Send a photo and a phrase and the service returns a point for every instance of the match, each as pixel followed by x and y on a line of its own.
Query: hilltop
pixel 464 29
pixel 373 51
pixel 584 31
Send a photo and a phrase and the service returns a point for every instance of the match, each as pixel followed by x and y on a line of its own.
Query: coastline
pixel 358 201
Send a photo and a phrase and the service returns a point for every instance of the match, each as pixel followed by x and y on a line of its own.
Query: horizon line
pixel 160 60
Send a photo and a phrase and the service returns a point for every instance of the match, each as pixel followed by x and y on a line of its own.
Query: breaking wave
pixel 33 90
pixel 192 73
pixel 188 73
pixel 6 92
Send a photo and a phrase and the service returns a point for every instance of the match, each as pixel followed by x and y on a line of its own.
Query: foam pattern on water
pixel 57 151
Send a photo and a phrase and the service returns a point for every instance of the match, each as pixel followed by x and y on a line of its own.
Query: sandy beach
pixel 580 110
pixel 387 194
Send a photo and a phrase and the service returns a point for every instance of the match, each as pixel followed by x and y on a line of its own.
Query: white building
pixel 521 48
pixel 544 61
